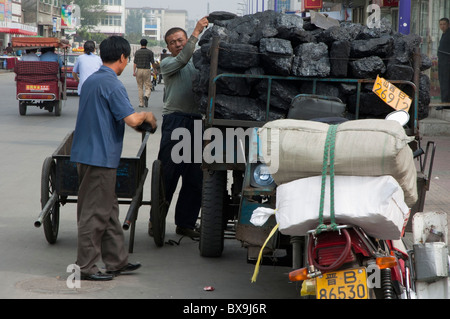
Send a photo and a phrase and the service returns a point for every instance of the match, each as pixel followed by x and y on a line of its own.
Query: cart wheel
pixel 22 108
pixel 58 107
pixel 212 217
pixel 48 180
pixel 159 206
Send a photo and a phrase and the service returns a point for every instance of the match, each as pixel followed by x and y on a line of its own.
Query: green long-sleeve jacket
pixel 177 74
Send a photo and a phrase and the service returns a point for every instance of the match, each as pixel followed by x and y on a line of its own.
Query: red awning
pixel 17 31
pixel 28 42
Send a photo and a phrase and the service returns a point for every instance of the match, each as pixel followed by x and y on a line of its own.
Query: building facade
pixel 156 21
pixel 12 22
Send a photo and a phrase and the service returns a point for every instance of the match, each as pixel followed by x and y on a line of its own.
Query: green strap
pixel 328 153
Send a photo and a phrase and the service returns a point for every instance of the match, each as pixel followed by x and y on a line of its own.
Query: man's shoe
pixel 187 232
pixel 146 101
pixel 140 106
pixel 99 276
pixel 127 268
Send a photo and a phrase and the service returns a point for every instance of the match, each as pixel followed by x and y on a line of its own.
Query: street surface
pixel 32 268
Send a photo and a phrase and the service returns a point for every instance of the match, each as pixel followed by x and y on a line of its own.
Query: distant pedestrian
pixel 86 64
pixel 9 50
pixel 143 61
pixel 49 55
pixel 444 61
pixel 30 55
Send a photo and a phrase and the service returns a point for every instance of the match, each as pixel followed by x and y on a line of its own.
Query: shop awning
pixel 17 31
pixel 17 28
pixel 37 42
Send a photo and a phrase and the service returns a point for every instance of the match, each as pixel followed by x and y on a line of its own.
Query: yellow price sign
pixel 391 95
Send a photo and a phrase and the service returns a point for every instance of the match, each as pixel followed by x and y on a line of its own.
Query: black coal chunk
pixel 276 55
pixel 311 59
pixel 367 68
pixel 381 47
pixel 339 58
pixel 242 108
pixel 238 56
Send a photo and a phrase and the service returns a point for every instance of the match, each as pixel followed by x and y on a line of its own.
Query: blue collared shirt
pixel 51 57
pixel 100 128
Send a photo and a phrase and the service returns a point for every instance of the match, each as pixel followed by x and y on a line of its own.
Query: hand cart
pixel 59 185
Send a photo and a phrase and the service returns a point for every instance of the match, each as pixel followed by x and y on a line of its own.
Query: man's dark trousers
pixel 189 199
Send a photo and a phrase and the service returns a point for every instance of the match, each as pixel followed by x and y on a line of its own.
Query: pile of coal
pixel 272 43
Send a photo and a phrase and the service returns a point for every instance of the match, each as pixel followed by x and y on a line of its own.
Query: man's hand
pixel 137 118
pixel 201 25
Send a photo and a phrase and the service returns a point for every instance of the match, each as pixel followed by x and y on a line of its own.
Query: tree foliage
pixel 91 13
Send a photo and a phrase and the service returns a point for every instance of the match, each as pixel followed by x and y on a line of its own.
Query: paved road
pixel 31 268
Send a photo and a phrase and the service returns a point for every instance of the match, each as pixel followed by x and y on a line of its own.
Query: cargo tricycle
pixel 40 83
pixel 239 184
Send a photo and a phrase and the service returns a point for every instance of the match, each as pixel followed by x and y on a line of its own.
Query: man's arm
pixel 135 119
pixel 169 65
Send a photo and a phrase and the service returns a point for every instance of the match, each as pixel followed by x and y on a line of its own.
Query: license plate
pixel 344 284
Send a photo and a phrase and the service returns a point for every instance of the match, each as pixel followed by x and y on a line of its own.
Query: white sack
pixel 374 203
pixel 369 147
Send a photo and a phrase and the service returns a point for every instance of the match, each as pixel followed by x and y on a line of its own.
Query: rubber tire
pixel 22 108
pixel 48 180
pixel 58 107
pixel 159 205
pixel 212 223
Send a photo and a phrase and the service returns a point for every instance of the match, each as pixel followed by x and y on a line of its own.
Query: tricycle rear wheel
pixel 22 108
pixel 58 107
pixel 48 181
pixel 159 205
pixel 212 217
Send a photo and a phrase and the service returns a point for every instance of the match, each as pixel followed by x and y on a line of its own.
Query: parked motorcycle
pixel 346 263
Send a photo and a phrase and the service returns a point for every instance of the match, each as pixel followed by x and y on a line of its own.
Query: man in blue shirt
pixel 104 109
pixel 49 55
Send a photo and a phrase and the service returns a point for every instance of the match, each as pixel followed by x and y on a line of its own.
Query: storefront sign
pixel 313 4
pixel 390 3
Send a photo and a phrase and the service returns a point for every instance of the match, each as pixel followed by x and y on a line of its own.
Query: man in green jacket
pixel 181 111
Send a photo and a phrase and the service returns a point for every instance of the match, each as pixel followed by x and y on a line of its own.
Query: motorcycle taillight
pixel 328 255
pixel 328 247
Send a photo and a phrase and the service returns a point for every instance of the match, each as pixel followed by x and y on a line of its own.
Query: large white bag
pixel 374 203
pixel 294 149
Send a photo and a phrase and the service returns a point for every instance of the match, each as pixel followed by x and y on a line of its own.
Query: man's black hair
pixel 113 47
pixel 172 31
pixel 144 42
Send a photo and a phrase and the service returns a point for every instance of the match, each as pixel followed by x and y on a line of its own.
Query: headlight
pixel 261 176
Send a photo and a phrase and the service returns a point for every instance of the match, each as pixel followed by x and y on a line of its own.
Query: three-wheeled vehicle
pixel 232 190
pixel 40 83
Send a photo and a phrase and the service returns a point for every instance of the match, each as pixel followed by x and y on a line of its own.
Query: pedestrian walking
pixel 86 64
pixel 143 61
pixel 444 62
